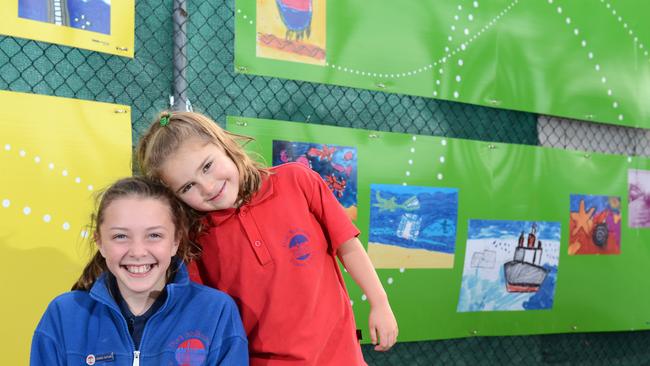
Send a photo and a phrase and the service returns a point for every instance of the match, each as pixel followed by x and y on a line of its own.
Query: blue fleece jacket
pixel 195 326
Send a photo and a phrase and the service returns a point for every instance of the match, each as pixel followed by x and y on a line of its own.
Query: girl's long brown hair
pixel 139 187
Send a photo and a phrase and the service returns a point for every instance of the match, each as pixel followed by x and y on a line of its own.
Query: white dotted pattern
pixel 467 32
pixel 27 210
pixel 471 33
pixel 37 159
pixel 592 57
pixel 625 25
pixel 245 17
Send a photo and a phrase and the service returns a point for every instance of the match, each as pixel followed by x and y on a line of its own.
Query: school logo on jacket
pixel 297 242
pixel 191 351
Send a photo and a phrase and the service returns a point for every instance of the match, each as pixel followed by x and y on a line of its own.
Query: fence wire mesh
pixel 208 80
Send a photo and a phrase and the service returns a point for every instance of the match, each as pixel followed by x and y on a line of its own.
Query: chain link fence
pixel 205 77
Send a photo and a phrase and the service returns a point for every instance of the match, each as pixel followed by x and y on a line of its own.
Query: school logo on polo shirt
pixel 300 249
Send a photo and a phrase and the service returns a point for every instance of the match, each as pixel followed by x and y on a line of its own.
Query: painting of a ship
pixel 524 272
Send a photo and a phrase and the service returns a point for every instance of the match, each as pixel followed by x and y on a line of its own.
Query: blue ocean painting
pixel 337 165
pixel 90 15
pixel 510 266
pixel 414 217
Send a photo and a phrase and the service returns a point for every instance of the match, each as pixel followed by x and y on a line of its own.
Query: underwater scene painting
pixel 337 165
pixel 412 227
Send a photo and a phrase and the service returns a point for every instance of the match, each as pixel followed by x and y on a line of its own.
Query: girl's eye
pixel 207 167
pixel 186 188
pixel 155 235
pixel 119 236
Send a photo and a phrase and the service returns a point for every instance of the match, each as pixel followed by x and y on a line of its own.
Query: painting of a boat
pixel 524 272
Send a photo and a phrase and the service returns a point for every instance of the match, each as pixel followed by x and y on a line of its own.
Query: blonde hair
pixel 140 187
pixel 162 140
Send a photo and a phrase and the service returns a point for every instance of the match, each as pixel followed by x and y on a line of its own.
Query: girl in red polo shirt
pixel 270 241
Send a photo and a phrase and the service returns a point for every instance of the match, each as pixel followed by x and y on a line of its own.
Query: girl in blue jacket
pixel 134 303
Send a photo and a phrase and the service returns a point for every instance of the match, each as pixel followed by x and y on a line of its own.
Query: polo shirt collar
pixel 265 191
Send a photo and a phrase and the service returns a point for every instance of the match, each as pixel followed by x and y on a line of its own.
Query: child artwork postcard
pixel 510 266
pixel 292 30
pixel 412 227
pixel 96 25
pixel 595 225
pixel 638 193
pixel 337 165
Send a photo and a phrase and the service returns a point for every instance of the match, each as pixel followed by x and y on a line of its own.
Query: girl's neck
pixel 139 304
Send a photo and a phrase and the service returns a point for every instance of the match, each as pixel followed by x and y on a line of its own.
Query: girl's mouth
pixel 219 194
pixel 139 269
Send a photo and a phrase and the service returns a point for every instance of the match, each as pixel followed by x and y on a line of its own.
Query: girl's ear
pixel 175 247
pixel 98 242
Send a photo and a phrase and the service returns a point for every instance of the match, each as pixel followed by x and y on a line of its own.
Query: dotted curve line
pixel 243 15
pixel 37 160
pixel 590 55
pixel 419 70
pixel 465 45
pixel 630 31
pixel 47 218
pixel 410 162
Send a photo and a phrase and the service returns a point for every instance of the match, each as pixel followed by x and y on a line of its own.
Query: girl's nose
pixel 207 186
pixel 137 249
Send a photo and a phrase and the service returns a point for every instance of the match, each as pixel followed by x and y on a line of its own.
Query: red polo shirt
pixel 276 256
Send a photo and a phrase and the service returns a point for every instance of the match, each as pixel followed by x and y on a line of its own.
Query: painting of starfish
pixel 595 225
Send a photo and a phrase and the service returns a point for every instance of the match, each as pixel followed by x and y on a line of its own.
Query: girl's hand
pixel 383 326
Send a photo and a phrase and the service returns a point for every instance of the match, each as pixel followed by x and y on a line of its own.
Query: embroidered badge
pixel 191 352
pixel 299 247
pixel 92 359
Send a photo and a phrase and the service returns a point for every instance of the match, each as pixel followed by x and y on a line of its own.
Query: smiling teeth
pixel 139 269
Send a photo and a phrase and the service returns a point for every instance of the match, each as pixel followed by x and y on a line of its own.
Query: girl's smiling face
pixel 202 175
pixel 137 239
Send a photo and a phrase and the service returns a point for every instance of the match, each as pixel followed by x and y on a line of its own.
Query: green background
pixel 520 54
pixel 496 182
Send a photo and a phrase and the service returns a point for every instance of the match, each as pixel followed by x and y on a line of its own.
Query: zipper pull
pixel 136 358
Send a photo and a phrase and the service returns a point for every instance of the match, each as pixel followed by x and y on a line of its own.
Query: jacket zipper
pixel 136 354
pixel 136 358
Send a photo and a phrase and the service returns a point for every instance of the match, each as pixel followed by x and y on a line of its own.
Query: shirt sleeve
pixel 336 224
pixel 45 348
pixel 229 345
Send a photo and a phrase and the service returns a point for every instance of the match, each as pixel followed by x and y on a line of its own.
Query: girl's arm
pixel 45 351
pixel 382 323
pixel 229 344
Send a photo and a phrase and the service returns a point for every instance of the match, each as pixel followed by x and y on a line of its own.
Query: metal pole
pixel 180 99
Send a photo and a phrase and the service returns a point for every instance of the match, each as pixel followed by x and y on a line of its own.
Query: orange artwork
pixel 595 225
